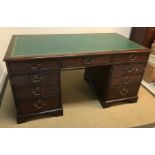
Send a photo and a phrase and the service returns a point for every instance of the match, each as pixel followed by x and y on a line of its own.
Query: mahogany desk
pixel 113 65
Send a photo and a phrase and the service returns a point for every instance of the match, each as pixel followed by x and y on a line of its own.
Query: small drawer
pixel 35 92
pixel 86 61
pixel 38 78
pixel 131 57
pixel 128 69
pixel 39 105
pixel 125 80
pixel 72 62
pixel 120 92
pixel 33 65
pixel 97 60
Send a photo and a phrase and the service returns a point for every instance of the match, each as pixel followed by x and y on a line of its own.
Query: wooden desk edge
pixel 67 55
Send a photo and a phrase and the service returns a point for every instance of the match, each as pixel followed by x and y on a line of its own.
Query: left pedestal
pixel 36 88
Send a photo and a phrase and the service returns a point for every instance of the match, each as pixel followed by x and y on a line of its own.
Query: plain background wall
pixel 7 32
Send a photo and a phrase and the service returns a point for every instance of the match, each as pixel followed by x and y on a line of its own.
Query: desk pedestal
pixel 115 83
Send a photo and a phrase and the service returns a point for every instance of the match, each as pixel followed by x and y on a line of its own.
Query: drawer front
pixel 39 105
pixel 35 79
pixel 35 92
pixel 125 80
pixel 120 92
pixel 128 69
pixel 86 61
pixel 132 57
pixel 33 65
pixel 72 62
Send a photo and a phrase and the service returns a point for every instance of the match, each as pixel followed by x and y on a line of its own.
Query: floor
pixel 83 110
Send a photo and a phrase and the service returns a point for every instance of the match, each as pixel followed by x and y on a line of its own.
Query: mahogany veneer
pixel 114 67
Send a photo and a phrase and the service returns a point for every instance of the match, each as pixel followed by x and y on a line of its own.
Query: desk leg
pixel 22 118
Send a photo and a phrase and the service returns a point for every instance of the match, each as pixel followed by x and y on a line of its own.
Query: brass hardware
pixel 124 92
pixel 113 58
pixel 127 80
pixel 34 65
pixel 36 78
pixel 88 61
pixel 129 68
pixel 137 69
pixel 132 57
pixel 37 91
pixel 39 104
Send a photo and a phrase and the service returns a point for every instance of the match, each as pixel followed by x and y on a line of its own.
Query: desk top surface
pixel 61 44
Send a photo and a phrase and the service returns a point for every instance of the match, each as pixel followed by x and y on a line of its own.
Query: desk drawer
pixel 35 79
pixel 128 69
pixel 39 105
pixel 86 61
pixel 131 57
pixel 125 80
pixel 72 62
pixel 35 92
pixel 120 92
pixel 32 65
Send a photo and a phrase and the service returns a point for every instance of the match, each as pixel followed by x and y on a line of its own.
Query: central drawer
pixel 85 61
pixel 35 92
pixel 40 104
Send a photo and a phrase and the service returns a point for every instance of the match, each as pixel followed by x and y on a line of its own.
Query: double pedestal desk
pixel 113 65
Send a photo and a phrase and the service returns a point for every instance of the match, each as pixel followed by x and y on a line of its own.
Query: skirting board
pixel 152 58
pixel 149 86
pixel 3 81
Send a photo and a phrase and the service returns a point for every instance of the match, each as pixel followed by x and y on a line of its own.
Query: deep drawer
pixel 35 92
pixel 35 79
pixel 125 80
pixel 128 69
pixel 131 57
pixel 86 61
pixel 32 65
pixel 39 105
pixel 120 92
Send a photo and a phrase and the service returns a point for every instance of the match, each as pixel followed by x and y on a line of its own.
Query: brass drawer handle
pixel 37 91
pixel 127 80
pixel 88 61
pixel 36 78
pixel 129 68
pixel 137 69
pixel 34 65
pixel 113 58
pixel 124 92
pixel 132 57
pixel 39 104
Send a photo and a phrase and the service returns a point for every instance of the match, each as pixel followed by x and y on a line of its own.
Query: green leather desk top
pixel 60 44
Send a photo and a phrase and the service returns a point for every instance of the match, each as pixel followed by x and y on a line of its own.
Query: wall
pixel 5 36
